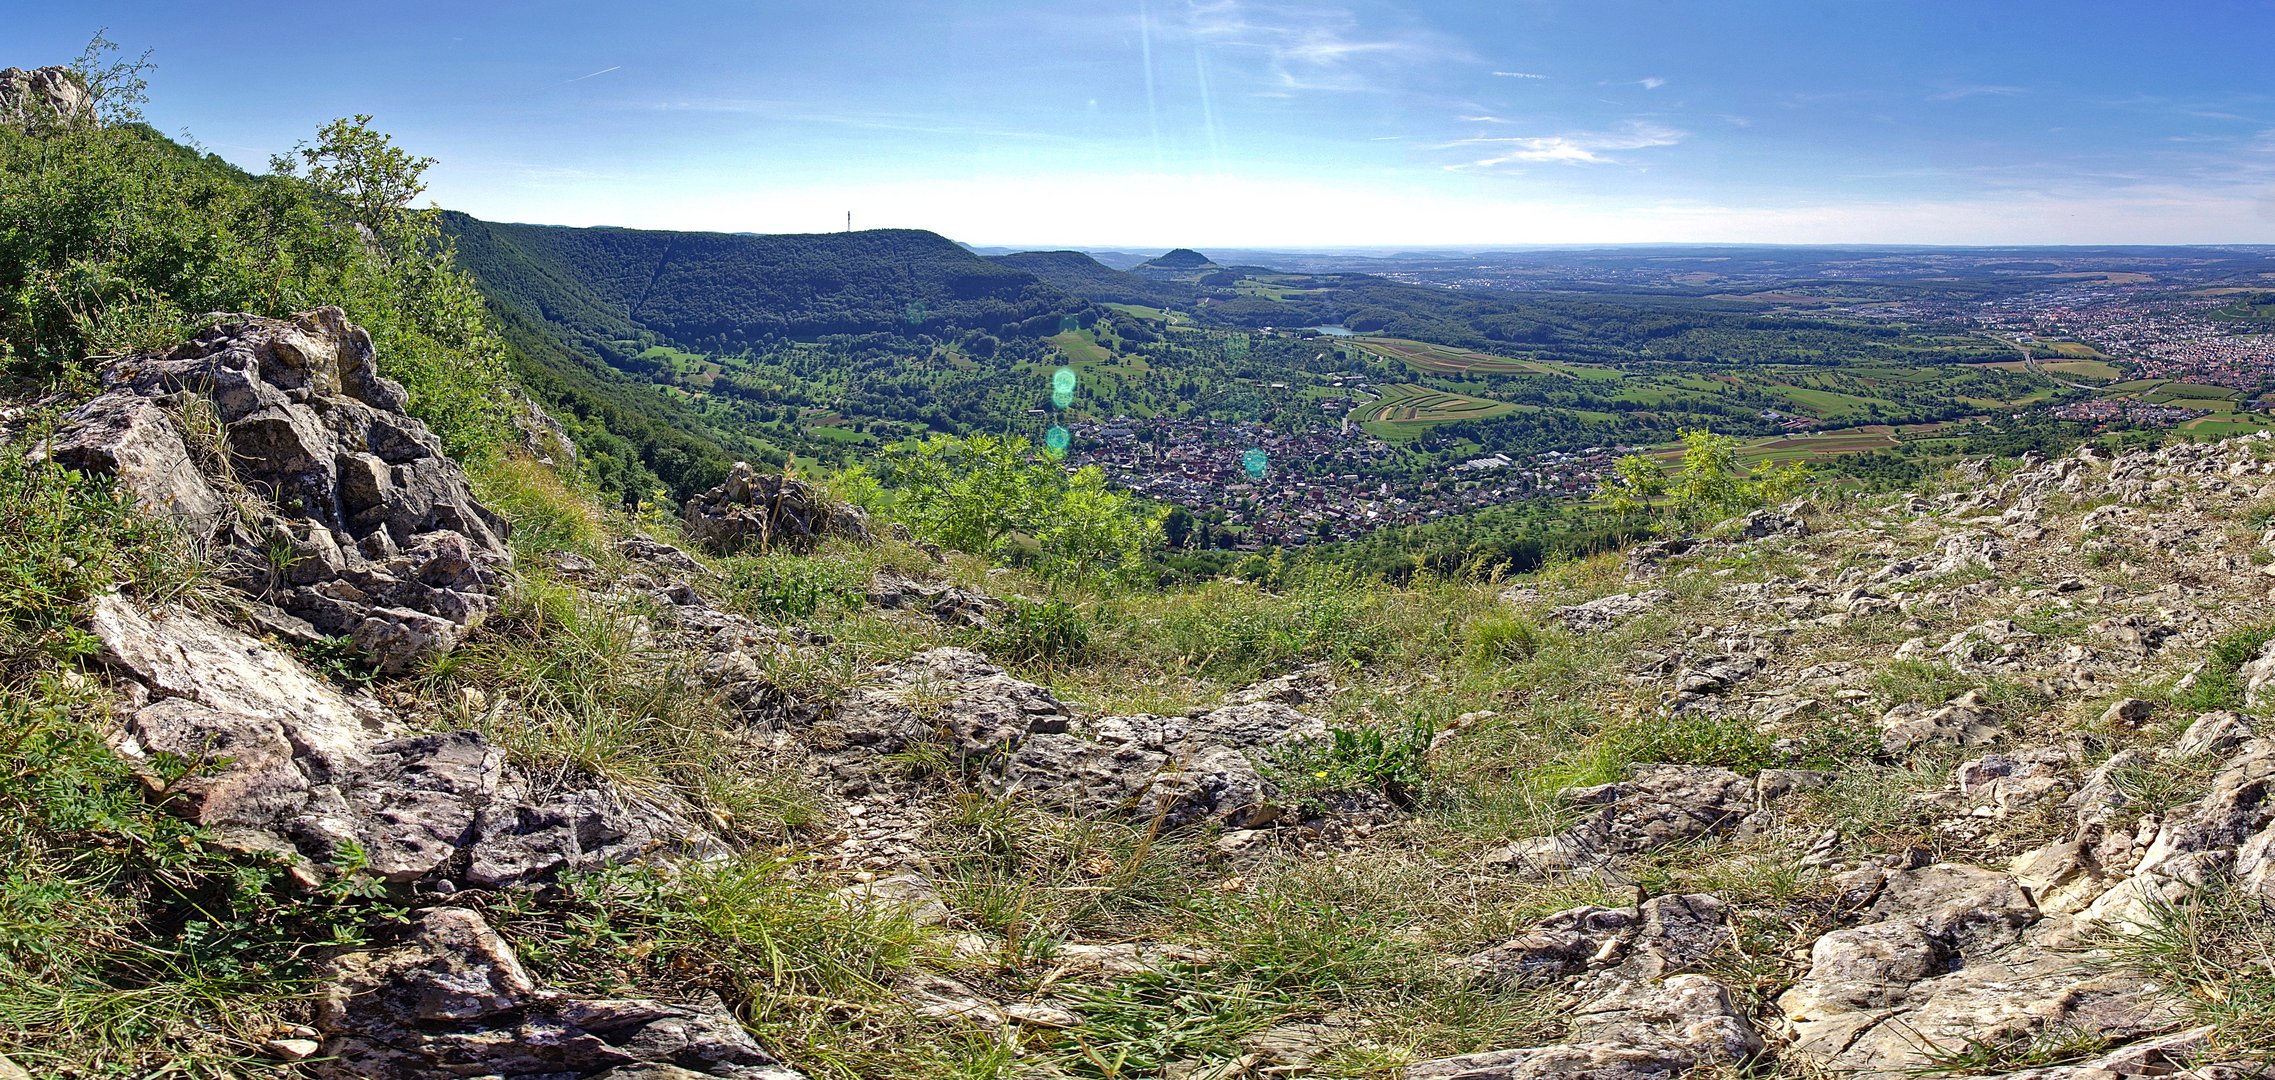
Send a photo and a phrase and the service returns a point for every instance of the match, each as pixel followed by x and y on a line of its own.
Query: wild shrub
pixel 1690 738
pixel 780 586
pixel 1049 631
pixel 124 239
pixel 1710 483
pixel 1392 764
pixel 1001 498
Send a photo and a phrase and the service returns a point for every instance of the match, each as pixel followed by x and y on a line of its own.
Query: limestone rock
pixel 44 95
pixel 1179 770
pixel 1609 611
pixel 300 768
pixel 1968 720
pixel 453 1000
pixel 1662 936
pixel 752 509
pixel 1637 1031
pixel 336 507
pixel 951 604
pixel 1663 804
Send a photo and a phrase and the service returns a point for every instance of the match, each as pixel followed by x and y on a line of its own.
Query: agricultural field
pixel 1815 446
pixel 1451 360
pixel 2084 370
pixel 1407 404
pixel 2255 307
pixel 2221 426
pixel 2219 399
pixel 1081 348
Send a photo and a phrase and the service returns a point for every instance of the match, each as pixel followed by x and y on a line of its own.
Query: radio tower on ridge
pixel 849 221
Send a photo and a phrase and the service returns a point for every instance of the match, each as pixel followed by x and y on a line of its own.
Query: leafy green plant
pixel 1039 631
pixel 782 586
pixel 1394 764
pixel 338 659
pixel 1710 483
pixel 1690 738
pixel 999 497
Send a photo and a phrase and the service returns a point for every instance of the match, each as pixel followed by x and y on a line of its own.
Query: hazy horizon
pixel 1292 126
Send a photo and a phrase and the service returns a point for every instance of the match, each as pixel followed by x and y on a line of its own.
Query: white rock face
pixel 298 767
pixel 43 96
pixel 386 544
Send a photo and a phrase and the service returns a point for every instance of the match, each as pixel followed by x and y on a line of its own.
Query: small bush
pixel 1039 631
pixel 780 586
pixel 1500 637
pixel 1395 765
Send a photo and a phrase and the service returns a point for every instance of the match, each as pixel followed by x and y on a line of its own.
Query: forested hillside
pixel 719 290
pixel 1083 276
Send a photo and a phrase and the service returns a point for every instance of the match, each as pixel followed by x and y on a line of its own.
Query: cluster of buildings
pixel 2106 410
pixel 1327 484
pixel 2161 333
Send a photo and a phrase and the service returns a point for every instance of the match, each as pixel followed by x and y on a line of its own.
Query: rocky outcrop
pixel 1606 612
pixel 754 509
pixel 951 604
pixel 44 96
pixel 280 443
pixel 451 1000
pixel 1634 1031
pixel 1022 741
pixel 1657 806
pixel 288 763
pixel 1175 769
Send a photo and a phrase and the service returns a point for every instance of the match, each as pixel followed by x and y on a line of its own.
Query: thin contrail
pixel 1208 104
pixel 602 71
pixel 1145 53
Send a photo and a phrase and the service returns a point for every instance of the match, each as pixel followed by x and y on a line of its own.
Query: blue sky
pixel 1241 122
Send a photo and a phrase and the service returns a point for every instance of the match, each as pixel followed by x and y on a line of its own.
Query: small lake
pixel 1330 331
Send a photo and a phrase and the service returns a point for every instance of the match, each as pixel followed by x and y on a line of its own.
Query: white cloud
pixel 1978 90
pixel 1518 75
pixel 1573 148
pixel 1304 47
pixel 1652 82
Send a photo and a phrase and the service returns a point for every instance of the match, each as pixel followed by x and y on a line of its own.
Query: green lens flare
pixel 1254 461
pixel 1056 440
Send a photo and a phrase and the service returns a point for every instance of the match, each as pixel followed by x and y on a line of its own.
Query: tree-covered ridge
pixel 730 290
pixel 1083 276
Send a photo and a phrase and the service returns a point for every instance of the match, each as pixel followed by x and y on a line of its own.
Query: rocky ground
pixel 1965 782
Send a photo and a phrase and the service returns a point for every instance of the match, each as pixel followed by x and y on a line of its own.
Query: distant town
pixel 1330 483
pixel 1314 486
